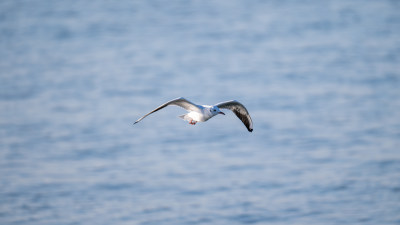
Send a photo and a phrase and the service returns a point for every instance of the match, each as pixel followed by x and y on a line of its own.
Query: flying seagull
pixel 202 113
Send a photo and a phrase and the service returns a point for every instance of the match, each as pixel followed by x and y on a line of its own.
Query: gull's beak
pixel 221 113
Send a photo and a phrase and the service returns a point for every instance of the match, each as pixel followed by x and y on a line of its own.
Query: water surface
pixel 320 79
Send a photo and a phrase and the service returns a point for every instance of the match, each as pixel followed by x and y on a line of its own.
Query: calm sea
pixel 321 80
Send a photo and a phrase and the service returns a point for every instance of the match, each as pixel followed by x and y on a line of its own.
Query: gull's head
pixel 215 111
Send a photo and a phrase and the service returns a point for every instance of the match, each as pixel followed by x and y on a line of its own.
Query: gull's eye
pixel 214 110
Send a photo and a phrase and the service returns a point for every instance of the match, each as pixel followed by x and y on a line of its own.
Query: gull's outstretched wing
pixel 182 102
pixel 239 110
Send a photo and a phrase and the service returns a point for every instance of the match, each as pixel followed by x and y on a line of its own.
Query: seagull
pixel 202 113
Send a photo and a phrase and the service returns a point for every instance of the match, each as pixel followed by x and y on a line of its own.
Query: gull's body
pixel 202 113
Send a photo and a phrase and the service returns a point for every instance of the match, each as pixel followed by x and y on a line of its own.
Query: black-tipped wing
pixel 182 102
pixel 240 111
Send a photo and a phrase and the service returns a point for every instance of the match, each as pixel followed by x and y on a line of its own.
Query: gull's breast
pixel 198 116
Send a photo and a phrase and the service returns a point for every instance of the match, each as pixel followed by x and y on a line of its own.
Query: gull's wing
pixel 239 110
pixel 182 102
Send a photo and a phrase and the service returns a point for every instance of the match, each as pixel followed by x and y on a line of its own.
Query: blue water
pixel 321 80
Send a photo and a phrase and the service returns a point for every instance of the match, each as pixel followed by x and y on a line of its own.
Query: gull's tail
pixel 185 117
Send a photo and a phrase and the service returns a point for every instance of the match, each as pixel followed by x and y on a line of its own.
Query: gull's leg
pixel 192 122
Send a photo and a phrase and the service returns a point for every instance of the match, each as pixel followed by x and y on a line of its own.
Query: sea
pixel 320 79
